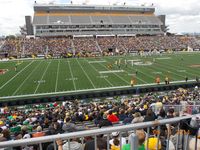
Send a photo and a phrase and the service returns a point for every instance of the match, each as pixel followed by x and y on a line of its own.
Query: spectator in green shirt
pixel 141 138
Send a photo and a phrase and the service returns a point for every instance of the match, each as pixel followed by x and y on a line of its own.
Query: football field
pixel 40 76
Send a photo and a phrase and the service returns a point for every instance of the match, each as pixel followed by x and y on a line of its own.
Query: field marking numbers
pixel 42 77
pixel 86 74
pixel 72 75
pixel 70 79
pixel 100 75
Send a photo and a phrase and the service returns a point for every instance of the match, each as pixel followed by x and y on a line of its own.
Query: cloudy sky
pixel 182 15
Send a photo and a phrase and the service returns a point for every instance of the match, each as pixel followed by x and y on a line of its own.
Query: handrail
pixel 95 132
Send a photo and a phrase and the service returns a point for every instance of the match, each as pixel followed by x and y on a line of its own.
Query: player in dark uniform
pixel 186 79
pixel 136 72
pixel 197 79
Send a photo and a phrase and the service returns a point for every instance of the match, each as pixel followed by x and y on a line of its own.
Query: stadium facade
pixel 66 20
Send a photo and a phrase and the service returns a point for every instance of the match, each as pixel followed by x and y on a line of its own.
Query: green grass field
pixel 67 75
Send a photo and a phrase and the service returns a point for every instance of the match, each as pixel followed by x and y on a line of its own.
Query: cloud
pixel 182 15
pixel 13 12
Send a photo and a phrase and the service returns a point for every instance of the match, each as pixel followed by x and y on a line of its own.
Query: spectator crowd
pixel 102 45
pixel 72 116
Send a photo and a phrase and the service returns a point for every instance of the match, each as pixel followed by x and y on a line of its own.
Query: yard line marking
pixel 72 75
pixel 110 71
pixel 26 78
pixel 181 70
pixel 97 89
pixel 135 76
pixel 97 61
pixel 86 74
pixel 56 86
pixel 99 74
pixel 163 58
pixel 116 74
pixel 171 69
pixel 16 75
pixel 42 77
pixel 184 68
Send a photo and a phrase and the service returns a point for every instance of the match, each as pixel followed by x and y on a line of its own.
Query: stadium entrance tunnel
pixel 95 94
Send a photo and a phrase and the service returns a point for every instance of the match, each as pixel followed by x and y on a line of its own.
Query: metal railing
pixel 103 131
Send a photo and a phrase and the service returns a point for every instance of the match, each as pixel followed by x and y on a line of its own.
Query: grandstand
pixel 65 20
pixel 85 78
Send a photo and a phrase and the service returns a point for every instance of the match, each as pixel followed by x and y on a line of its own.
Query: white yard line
pixel 99 74
pixel 26 78
pixel 72 75
pixel 42 77
pixel 86 74
pixel 97 89
pixel 97 61
pixel 182 67
pixel 139 71
pixel 135 76
pixel 170 70
pixel 110 71
pixel 56 86
pixel 16 75
pixel 115 74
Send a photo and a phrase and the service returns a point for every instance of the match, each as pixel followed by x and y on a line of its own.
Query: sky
pixel 182 15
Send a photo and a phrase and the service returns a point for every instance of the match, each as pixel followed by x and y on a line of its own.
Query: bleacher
pixel 94 20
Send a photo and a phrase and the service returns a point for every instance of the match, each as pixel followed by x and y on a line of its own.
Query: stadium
pixel 99 77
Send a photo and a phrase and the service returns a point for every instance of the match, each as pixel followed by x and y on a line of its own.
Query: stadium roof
pixel 64 7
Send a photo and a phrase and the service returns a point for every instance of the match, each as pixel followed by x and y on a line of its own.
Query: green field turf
pixel 77 74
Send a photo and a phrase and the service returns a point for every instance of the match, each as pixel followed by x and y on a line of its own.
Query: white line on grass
pixel 115 74
pixel 16 75
pixel 135 76
pixel 99 74
pixel 97 89
pixel 42 77
pixel 56 86
pixel 72 75
pixel 86 74
pixel 181 67
pixel 167 68
pixel 26 79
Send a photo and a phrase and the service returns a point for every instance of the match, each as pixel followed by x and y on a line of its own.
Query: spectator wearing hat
pixel 137 118
pixel 115 135
pixel 39 132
